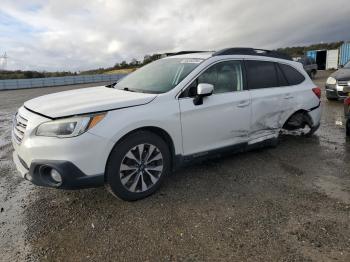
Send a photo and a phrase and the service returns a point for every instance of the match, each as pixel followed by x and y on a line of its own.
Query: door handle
pixel 243 103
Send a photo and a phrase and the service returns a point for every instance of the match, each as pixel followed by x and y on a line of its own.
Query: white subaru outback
pixel 130 135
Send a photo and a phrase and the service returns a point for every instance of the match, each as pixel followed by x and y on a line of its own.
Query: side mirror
pixel 202 91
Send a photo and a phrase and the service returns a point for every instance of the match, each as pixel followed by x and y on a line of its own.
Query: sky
pixel 73 35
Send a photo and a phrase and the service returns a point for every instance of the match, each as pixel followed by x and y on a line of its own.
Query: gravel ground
pixel 289 203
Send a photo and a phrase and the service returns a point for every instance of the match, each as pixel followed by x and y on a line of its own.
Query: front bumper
pixel 86 154
pixel 337 91
pixel 71 176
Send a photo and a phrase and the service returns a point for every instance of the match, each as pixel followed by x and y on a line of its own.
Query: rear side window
pixel 261 74
pixel 292 75
pixel 282 81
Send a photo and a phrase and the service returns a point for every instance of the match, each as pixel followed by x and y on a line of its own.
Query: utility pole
pixel 3 63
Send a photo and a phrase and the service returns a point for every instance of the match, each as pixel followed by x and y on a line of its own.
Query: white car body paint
pixel 222 120
pixel 247 116
pixel 271 107
pixel 86 100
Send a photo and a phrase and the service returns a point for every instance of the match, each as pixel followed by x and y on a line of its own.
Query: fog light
pixel 56 176
pixel 28 177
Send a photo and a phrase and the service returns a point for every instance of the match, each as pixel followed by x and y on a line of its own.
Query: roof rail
pixel 187 52
pixel 252 51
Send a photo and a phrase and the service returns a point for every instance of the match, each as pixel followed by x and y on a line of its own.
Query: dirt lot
pixel 290 203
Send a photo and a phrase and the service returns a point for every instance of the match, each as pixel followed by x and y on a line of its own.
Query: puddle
pixel 339 123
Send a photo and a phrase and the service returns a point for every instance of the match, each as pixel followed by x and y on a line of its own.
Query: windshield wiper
pixel 137 90
pixel 111 85
pixel 128 89
pixel 124 88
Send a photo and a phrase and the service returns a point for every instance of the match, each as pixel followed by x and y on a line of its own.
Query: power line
pixel 3 63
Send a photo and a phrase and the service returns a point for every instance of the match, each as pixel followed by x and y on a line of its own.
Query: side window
pixel 282 81
pixel 225 76
pixel 261 74
pixel 210 76
pixel 292 75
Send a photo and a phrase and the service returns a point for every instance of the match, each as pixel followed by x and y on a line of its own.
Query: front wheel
pixel 348 128
pixel 137 166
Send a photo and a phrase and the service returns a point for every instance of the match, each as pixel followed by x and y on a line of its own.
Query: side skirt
pixel 181 161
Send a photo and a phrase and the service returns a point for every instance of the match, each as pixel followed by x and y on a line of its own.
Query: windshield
pixel 159 76
pixel 347 65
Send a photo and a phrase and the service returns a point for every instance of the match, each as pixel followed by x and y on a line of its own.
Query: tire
pixel 312 130
pixel 298 121
pixel 131 177
pixel 308 122
pixel 348 128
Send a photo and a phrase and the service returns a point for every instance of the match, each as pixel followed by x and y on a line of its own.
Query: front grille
pixel 19 128
pixel 343 83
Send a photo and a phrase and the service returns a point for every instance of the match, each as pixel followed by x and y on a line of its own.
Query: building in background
pixel 344 53
pixel 325 59
pixel 331 59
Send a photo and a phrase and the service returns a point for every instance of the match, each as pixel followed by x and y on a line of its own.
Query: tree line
pixel 295 51
pixel 133 64
pixel 19 74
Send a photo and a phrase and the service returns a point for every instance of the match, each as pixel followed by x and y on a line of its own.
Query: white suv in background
pixel 131 134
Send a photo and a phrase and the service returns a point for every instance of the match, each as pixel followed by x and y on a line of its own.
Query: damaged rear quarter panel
pixel 272 107
pixel 269 111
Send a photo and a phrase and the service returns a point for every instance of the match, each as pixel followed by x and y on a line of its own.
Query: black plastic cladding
pixel 188 52
pixel 252 51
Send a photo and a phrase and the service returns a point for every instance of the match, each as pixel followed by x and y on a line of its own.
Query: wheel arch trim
pixel 162 133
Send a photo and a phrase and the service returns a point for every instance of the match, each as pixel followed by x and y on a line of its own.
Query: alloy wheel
pixel 141 168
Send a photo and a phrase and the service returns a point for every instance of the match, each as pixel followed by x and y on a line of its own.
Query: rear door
pixel 270 99
pixel 224 117
pixel 296 94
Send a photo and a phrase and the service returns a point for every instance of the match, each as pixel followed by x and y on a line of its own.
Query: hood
pixel 86 100
pixel 342 74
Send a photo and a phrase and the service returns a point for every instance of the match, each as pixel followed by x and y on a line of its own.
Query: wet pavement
pixel 289 203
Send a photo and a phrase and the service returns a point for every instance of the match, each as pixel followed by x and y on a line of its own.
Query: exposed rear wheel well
pixel 298 120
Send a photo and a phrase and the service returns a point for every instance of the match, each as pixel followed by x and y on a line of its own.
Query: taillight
pixel 347 101
pixel 317 92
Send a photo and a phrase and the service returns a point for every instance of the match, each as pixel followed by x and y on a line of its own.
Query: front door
pixel 224 117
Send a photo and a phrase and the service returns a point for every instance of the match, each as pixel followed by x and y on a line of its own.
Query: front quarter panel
pixel 163 112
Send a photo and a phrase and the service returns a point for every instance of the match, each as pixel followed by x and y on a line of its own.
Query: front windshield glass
pixel 159 76
pixel 347 65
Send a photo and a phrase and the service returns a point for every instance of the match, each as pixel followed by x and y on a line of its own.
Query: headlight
pixel 69 127
pixel 331 81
